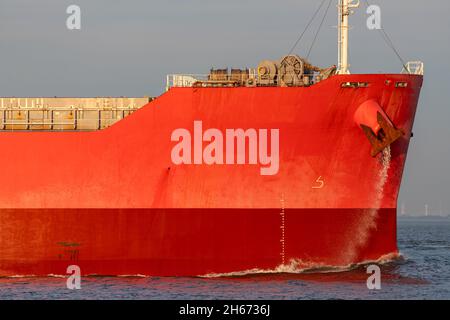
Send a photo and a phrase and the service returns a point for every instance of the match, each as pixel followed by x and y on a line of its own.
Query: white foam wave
pixel 299 267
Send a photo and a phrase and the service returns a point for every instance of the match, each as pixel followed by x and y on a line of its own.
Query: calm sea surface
pixel 423 273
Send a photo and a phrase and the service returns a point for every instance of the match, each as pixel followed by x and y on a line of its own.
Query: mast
pixel 344 9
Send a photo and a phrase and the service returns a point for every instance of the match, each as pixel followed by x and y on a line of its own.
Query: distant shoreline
pixel 425 217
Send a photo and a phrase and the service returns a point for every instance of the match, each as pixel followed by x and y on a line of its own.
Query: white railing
pixel 414 67
pixel 188 80
pixel 61 118
pixel 184 80
pixel 202 80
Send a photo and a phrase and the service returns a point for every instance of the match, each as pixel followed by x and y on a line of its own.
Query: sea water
pixel 422 272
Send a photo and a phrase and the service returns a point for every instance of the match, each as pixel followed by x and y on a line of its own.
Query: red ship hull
pixel 114 203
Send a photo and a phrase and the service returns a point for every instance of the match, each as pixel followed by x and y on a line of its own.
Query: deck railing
pixel 205 80
pixel 414 67
pixel 61 119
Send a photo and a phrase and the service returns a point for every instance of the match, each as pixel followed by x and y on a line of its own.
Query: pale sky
pixel 126 48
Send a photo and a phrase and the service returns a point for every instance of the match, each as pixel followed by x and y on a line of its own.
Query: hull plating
pixel 114 202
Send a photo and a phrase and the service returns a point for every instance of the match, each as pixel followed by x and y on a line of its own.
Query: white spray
pixel 367 222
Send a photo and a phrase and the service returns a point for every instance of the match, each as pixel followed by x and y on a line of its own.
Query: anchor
pixel 376 125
